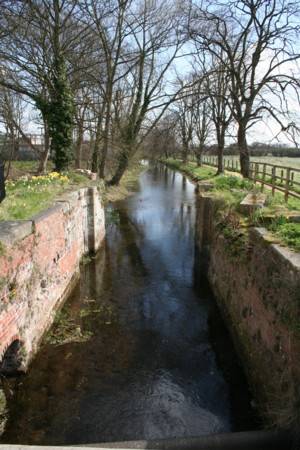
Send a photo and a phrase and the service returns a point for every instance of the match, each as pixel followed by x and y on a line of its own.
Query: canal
pixel 138 351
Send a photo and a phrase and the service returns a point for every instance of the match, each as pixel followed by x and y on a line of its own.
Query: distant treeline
pixel 258 149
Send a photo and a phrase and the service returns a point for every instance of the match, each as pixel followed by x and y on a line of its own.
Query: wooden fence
pixel 280 178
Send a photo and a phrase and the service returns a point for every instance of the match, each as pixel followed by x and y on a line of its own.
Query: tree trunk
pixel 244 152
pixel 78 147
pixel 221 144
pixel 45 154
pixel 122 166
pixel 106 135
pixel 96 148
pixel 199 158
pixel 185 152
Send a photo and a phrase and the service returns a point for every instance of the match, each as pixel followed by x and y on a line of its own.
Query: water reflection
pixel 142 355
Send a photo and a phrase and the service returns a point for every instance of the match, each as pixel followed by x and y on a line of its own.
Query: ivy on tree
pixel 61 118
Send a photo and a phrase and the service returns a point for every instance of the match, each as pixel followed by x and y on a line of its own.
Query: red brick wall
pixel 37 268
pixel 258 291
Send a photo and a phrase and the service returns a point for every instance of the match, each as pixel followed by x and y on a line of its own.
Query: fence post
pixel 263 177
pixel 255 172
pixel 287 184
pixel 292 179
pixel 273 179
pixel 281 177
pixel 251 171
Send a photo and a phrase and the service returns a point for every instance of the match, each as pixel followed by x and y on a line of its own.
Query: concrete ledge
pixel 13 231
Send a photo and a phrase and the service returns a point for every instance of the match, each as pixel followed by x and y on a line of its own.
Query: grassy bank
pixel 128 184
pixel 28 194
pixel 31 194
pixel 276 216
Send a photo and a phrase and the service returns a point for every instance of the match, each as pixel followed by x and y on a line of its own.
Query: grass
pixel 232 163
pixel 128 184
pixel 21 168
pixel 277 215
pixel 191 169
pixel 277 160
pixel 287 232
pixel 29 195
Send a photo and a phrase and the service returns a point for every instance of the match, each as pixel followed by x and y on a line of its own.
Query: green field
pixel 278 161
pixel 233 163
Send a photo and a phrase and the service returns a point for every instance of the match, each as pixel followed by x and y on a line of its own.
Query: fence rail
pixel 281 178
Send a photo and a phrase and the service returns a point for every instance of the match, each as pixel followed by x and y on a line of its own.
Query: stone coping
pixel 290 256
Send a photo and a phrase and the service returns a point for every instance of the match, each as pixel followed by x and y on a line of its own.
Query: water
pixel 137 352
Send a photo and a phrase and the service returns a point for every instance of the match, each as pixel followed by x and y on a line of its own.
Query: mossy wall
pixel 257 287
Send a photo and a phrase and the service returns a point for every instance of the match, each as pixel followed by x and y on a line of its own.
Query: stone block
pixel 13 231
pixel 204 186
pixel 252 202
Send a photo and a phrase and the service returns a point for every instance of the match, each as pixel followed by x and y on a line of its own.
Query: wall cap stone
pixel 12 231
pixel 56 208
pixel 288 255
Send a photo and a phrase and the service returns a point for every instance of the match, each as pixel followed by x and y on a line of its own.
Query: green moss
pixel 3 282
pixel 3 411
pixel 86 259
pixel 66 330
pixel 2 249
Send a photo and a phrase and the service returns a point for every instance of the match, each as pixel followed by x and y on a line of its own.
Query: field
pixel 280 171
pixel 278 161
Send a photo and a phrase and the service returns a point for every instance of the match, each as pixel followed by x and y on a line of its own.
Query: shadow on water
pixel 137 352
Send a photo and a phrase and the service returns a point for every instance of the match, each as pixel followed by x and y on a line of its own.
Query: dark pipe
pixel 248 440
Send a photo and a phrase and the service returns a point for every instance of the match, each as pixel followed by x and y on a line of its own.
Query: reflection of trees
pixel 63 377
pixel 166 177
pixel 130 235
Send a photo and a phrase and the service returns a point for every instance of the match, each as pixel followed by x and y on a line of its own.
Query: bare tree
pixel 156 38
pixel 108 21
pixel 11 114
pixel 255 41
pixel 186 117
pixel 36 54
pixel 201 115
pixel 217 85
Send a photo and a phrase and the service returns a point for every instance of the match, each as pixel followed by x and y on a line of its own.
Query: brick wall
pixel 39 262
pixel 258 292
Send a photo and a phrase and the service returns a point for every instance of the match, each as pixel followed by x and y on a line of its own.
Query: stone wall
pixel 258 291
pixel 39 261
